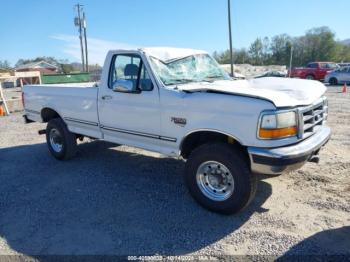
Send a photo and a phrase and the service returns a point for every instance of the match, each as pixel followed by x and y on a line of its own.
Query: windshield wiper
pixel 180 81
pixel 212 78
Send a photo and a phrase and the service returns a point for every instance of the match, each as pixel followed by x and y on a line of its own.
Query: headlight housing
pixel 275 125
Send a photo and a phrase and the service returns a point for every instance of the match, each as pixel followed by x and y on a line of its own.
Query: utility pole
pixel 77 22
pixel 291 60
pixel 86 48
pixel 230 34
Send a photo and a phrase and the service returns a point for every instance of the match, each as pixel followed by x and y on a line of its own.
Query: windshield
pixel 194 68
pixel 329 65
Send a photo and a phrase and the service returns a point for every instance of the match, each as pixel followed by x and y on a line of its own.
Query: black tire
pixel 333 81
pixel 245 182
pixel 310 77
pixel 56 127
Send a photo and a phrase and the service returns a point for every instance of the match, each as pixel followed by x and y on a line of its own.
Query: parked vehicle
pixel 313 71
pixel 343 64
pixel 338 76
pixel 238 76
pixel 273 74
pixel 180 103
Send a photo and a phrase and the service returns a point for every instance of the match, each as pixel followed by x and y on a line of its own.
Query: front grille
pixel 312 118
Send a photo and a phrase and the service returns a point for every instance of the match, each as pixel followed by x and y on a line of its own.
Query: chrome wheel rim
pixel 56 140
pixel 215 180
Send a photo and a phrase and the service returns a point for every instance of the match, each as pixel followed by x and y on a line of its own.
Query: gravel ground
pixel 119 200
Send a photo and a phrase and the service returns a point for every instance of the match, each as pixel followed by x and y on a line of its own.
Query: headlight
pixel 278 125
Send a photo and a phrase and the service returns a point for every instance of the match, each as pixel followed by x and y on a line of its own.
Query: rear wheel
pixel 333 81
pixel 310 77
pixel 62 144
pixel 219 178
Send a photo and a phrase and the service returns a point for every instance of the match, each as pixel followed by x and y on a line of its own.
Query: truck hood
pixel 282 92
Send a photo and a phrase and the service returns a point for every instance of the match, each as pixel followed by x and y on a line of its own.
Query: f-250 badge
pixel 179 121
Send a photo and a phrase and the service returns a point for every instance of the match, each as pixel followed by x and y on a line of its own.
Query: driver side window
pixel 312 65
pixel 130 68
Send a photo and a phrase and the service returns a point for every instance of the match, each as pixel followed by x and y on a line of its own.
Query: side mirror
pixel 125 86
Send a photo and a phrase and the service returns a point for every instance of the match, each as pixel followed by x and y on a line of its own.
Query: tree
pixel 223 58
pixel 318 44
pixel 5 64
pixel 66 68
pixel 241 56
pixel 280 49
pixel 266 54
pixel 256 52
pixel 342 53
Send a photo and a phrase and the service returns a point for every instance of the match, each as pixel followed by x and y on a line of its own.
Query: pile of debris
pixel 250 71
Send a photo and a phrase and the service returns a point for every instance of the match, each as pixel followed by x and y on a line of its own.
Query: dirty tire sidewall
pixel 69 142
pixel 244 180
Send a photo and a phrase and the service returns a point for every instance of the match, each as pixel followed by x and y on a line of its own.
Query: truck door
pixel 129 111
pixel 343 75
pixel 321 71
pixel 347 76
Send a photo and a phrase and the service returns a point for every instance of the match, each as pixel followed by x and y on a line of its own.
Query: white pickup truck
pixel 180 103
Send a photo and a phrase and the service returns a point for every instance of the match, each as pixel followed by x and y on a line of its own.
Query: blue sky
pixel 41 27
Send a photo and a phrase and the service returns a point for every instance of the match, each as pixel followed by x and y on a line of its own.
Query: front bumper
pixel 274 161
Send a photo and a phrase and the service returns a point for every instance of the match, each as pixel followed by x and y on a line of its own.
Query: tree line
pixel 63 65
pixel 4 64
pixel 318 44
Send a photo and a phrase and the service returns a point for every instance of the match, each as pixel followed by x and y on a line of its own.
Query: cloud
pixel 97 48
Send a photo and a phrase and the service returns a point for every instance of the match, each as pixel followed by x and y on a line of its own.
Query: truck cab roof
pixel 170 53
pixel 164 53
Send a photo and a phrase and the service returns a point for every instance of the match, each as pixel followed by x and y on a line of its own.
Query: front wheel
pixel 219 178
pixel 310 77
pixel 62 144
pixel 333 81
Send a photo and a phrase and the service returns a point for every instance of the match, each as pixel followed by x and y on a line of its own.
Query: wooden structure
pixel 25 78
pixel 4 101
pixel 28 78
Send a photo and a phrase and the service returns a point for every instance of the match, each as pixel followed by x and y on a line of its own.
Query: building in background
pixel 41 66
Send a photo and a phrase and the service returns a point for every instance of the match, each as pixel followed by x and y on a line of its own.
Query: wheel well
pixel 47 114
pixel 196 139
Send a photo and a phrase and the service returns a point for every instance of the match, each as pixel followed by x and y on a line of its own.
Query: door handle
pixel 106 97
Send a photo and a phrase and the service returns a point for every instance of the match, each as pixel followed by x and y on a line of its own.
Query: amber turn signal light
pixel 277 133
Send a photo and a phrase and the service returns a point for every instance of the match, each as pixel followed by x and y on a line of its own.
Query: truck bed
pixel 73 102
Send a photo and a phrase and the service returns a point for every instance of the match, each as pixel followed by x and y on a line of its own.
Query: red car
pixel 314 70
